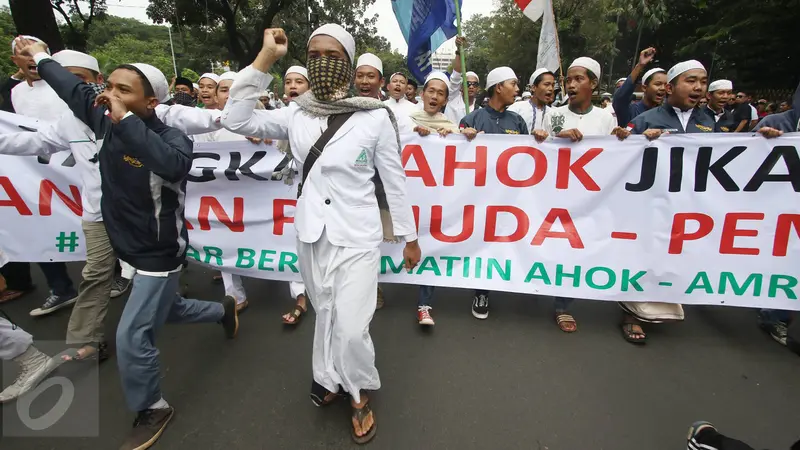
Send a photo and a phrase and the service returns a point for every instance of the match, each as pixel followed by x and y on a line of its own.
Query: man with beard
pixel 342 143
pixel 207 86
pixel 573 121
pixel 411 91
pixel 369 76
pixel 719 92
pixel 455 104
pixel 655 88
pixel 495 118
pixel 687 83
pixel 542 85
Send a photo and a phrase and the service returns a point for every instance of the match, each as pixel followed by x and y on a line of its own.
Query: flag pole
pixel 464 87
pixel 172 49
pixel 558 44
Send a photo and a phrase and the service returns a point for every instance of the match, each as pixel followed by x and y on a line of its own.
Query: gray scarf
pixel 315 108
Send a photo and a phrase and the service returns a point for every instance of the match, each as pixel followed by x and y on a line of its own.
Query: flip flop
pixel 11 294
pixel 73 355
pixel 360 414
pixel 320 396
pixel 297 313
pixel 628 334
pixel 563 319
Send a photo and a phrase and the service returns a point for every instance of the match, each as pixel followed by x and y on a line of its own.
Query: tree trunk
pixel 36 18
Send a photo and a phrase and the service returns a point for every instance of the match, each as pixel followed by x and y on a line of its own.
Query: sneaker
pixel 119 286
pixel 54 303
pixel 480 306
pixel 147 428
pixel 34 367
pixel 424 316
pixel 230 321
pixel 692 442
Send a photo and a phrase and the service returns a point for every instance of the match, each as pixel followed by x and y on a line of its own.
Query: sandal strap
pixel 565 318
pixel 360 414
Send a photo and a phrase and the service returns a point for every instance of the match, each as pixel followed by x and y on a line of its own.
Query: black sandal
pixel 100 353
pixel 320 396
pixel 360 414
pixel 629 335
pixel 297 313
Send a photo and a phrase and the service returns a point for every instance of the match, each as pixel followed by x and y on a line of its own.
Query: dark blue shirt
pixel 623 108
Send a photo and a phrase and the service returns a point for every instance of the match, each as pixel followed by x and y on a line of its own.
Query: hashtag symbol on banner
pixel 70 243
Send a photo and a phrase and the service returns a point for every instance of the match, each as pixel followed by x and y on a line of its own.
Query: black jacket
pixel 665 118
pixel 494 122
pixel 726 122
pixel 143 166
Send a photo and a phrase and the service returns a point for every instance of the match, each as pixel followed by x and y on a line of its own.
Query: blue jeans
pixel 562 304
pixel 18 277
pixel 425 295
pixel 152 302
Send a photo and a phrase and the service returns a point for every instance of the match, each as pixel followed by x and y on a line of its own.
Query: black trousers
pixel 18 277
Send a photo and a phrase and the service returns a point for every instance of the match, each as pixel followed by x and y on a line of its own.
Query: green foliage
pixel 126 49
pixel 190 74
pixel 7 33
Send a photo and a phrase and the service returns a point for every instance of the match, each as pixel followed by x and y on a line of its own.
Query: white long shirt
pixel 402 110
pixel 455 110
pixel 39 101
pixel 526 109
pixel 68 133
pixel 597 122
pixel 338 195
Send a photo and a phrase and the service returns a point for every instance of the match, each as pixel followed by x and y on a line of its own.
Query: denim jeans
pixel 562 304
pixel 58 279
pixel 425 295
pixel 152 302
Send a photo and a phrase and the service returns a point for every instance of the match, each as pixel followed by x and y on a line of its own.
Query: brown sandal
pixel 563 321
pixel 360 415
pixel 297 314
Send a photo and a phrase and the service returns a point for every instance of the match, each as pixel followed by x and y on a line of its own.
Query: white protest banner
pixel 687 218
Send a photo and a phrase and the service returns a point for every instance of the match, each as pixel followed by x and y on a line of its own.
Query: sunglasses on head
pixel 473 83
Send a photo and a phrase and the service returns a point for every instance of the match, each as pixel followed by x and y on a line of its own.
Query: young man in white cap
pixel 542 85
pixel 369 76
pixel 144 165
pixel 411 91
pixel 573 121
pixel 397 102
pixel 655 89
pixel 495 118
pixel 207 86
pixel 719 94
pixel 338 217
pixel 456 110
pixel 687 84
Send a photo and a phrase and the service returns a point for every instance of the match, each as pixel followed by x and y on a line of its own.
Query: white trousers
pixel 234 287
pixel 14 341
pixel 342 285
pixel 296 288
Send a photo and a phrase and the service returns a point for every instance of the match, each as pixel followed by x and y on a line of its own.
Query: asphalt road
pixel 513 381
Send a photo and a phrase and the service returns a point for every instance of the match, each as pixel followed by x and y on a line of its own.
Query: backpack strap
pixel 334 123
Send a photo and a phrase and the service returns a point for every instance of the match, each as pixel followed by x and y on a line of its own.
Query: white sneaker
pixel 35 366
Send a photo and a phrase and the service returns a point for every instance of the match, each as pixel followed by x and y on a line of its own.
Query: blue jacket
pixel 664 118
pixel 143 166
pixel 623 108
pixel 494 122
pixel 725 124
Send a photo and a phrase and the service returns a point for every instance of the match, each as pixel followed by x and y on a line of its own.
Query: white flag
pixel 548 41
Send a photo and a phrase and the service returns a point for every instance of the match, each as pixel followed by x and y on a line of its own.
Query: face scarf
pixel 182 98
pixel 329 78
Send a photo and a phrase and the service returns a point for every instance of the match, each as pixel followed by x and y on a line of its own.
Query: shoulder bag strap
pixel 334 123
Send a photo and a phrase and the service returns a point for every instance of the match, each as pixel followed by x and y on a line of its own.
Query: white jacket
pixel 339 194
pixel 69 133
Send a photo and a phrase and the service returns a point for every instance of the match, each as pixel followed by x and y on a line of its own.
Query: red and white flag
pixel 533 9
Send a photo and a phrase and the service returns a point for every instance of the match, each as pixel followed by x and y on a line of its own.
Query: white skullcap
pixel 720 85
pixel 473 74
pixel 438 76
pixel 211 76
pixel 621 79
pixel 606 95
pixel 32 38
pixel 526 94
pixel 499 75
pixel 195 85
pixel 588 64
pixel 368 59
pixel 71 58
pixel 157 80
pixel 227 76
pixel 340 34
pixel 652 72
pixel 300 70
pixel 537 73
pixel 683 67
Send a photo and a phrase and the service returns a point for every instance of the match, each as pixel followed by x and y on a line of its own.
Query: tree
pixel 191 75
pixel 36 18
pixel 125 49
pixel 77 21
pixel 7 33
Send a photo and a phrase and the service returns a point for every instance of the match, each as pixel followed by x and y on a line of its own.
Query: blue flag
pixel 426 25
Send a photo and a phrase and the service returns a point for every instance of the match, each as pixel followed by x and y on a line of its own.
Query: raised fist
pixel 275 43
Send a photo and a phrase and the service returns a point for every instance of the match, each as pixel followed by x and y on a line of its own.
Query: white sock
pixel 161 404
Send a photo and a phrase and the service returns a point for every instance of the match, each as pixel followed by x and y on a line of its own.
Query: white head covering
pixel 621 79
pixel 157 80
pixel 526 95
pixel 537 73
pixel 195 85
pixel 499 75
pixel 652 72
pixel 227 76
pixel 340 34
pixel 683 67
pixel 33 38
pixel 211 76
pixel 300 70
pixel 71 58
pixel 588 64
pixel 473 74
pixel 368 59
pixel 438 76
pixel 606 95
pixel 720 85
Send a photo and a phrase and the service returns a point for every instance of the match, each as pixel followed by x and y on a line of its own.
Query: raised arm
pixel 622 98
pixel 168 156
pixel 240 115
pixel 45 139
pixel 190 120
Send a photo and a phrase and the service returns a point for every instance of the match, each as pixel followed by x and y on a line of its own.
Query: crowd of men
pixel 132 135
